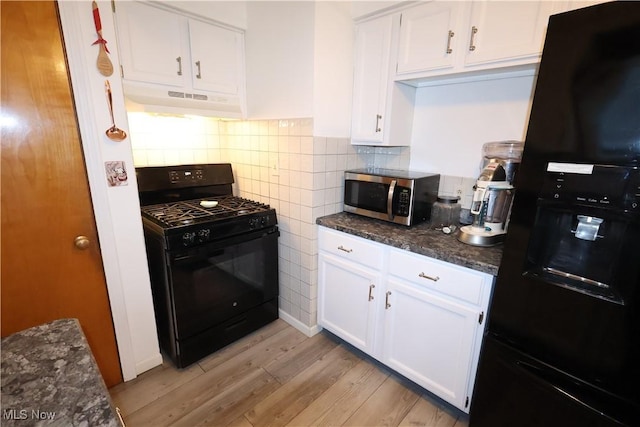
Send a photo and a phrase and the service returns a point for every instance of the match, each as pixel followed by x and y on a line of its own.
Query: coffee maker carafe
pixel 493 194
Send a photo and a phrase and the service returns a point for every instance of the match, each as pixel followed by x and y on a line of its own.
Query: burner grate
pixel 176 214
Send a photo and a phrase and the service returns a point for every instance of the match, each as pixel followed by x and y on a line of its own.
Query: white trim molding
pixel 116 209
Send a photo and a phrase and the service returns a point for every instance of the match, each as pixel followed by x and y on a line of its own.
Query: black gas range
pixel 189 223
pixel 212 257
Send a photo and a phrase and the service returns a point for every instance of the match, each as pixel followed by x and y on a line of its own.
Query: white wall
pixel 452 122
pixel 333 69
pixel 279 59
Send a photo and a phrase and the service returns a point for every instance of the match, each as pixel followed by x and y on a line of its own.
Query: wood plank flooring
pixel 279 377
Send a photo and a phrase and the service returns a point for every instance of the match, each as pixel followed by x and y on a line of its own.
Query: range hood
pixel 143 97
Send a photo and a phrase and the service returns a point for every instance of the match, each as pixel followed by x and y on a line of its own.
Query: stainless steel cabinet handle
pixel 378 118
pixel 199 75
pixel 472 45
pixel 371 288
pixel 451 34
pixel 342 248
pixel 386 300
pixel 424 276
pixel 179 61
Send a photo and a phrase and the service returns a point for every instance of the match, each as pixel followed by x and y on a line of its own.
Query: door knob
pixel 82 242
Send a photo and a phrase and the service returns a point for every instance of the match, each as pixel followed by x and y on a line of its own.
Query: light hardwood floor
pixel 278 376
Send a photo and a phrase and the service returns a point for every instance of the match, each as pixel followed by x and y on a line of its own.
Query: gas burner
pixel 187 212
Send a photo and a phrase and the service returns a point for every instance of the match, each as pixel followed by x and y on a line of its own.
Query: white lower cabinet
pixel 422 317
pixel 346 310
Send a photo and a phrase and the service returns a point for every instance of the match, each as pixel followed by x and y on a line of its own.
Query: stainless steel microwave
pixel 398 196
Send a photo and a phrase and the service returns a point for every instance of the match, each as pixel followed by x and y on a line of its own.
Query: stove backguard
pixel 164 184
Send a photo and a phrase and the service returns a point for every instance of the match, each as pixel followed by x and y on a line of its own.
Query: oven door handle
pixel 392 189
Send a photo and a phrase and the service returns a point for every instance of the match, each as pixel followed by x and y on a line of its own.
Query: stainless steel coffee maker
pixel 493 194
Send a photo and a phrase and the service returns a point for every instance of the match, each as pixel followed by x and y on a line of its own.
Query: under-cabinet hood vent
pixel 155 99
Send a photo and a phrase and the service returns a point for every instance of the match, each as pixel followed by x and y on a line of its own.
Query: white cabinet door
pixel 506 30
pixel 371 79
pixel 430 339
pixel 347 297
pixel 217 61
pixel 151 42
pixel 429 36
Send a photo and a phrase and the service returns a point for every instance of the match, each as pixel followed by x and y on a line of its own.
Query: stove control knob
pixel 203 235
pixel 188 238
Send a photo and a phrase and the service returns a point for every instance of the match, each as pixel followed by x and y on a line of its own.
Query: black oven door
pixel 213 283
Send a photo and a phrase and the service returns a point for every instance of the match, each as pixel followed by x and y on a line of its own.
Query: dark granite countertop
pixel 419 239
pixel 49 377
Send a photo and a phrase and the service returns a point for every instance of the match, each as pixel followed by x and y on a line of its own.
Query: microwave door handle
pixel 392 189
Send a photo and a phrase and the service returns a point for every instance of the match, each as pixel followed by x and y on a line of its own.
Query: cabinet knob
pixel 378 118
pixel 371 288
pixel 199 75
pixel 386 300
pixel 342 248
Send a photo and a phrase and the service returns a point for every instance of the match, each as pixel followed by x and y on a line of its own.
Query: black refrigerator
pixel 562 346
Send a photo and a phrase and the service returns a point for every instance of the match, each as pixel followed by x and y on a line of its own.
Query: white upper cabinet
pixel 371 78
pixel 450 38
pixel 506 31
pixel 382 109
pixel 428 34
pixel 216 57
pixel 180 55
pixel 152 43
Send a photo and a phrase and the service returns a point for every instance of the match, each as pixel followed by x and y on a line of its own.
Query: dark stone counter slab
pixel 49 377
pixel 419 239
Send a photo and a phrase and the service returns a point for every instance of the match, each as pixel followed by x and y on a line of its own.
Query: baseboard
pixel 147 364
pixel 307 330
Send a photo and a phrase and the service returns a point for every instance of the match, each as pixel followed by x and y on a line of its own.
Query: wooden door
pixel 45 193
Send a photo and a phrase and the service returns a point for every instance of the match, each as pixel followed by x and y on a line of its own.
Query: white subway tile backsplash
pixel 332 146
pixel 306 162
pixel 306 214
pixel 319 145
pixel 294 210
pixel 306 180
pixel 294 162
pixel 319 163
pixel 294 144
pixel 306 144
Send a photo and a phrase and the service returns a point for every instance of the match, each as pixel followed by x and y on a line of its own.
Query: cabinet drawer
pixel 442 277
pixel 351 248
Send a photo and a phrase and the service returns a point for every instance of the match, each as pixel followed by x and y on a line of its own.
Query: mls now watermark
pixel 26 414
